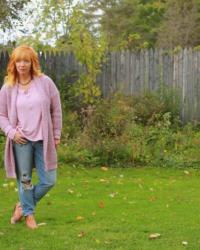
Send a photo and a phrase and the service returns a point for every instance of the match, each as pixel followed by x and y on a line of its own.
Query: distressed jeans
pixel 25 155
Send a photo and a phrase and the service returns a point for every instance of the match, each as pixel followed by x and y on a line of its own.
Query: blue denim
pixel 25 155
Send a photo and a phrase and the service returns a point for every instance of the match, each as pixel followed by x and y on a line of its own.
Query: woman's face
pixel 23 66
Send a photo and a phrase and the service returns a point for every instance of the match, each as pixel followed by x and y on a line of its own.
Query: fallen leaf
pixel 97 241
pixel 154 236
pixel 184 243
pixel 107 242
pixel 70 191
pixel 104 180
pixel 101 204
pixel 81 234
pixel 79 218
pixel 112 195
pixel 152 198
pixel 42 224
pixel 104 168
pixel 186 172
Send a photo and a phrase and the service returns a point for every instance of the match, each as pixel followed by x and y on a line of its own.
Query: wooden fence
pixel 134 72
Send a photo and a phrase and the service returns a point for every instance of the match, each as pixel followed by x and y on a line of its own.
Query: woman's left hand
pixel 57 142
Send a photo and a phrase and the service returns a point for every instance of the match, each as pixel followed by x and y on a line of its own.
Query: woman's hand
pixel 19 139
pixel 57 142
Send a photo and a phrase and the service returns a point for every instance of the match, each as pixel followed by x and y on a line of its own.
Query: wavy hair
pixel 23 52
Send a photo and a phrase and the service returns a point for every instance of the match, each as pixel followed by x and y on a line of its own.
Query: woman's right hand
pixel 19 139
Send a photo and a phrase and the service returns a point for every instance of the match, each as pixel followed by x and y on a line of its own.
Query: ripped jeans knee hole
pixel 26 183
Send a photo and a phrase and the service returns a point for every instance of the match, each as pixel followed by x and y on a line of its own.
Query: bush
pixel 117 133
pixel 109 118
pixel 130 131
pixel 2 146
pixel 150 107
pixel 71 125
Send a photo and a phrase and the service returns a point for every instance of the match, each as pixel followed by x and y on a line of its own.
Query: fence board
pixel 133 72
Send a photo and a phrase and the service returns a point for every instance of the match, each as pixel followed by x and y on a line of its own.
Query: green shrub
pixel 151 106
pixel 71 125
pixel 2 146
pixel 130 131
pixel 109 119
pixel 113 133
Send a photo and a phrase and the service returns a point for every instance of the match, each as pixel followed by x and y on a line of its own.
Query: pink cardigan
pixel 51 121
pixel 28 103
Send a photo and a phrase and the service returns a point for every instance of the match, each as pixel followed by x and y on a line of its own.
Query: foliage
pixel 9 11
pixel 89 51
pixel 138 25
pixel 132 131
pixel 180 25
pixel 128 130
pixel 53 22
pixel 126 24
pixel 109 118
pixel 153 104
pixel 34 41
pixel 123 131
pixel 2 143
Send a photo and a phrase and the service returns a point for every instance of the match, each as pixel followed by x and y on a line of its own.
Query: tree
pixel 9 11
pixel 180 26
pixel 53 21
pixel 127 24
pixel 89 51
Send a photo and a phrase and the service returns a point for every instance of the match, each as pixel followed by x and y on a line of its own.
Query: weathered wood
pixel 142 69
pixel 137 73
pixel 146 77
pixel 151 69
pixel 131 73
pixel 184 86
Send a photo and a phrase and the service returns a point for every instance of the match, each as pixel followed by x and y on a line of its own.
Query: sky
pixel 27 26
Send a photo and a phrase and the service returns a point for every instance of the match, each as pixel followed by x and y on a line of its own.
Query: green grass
pixel 119 208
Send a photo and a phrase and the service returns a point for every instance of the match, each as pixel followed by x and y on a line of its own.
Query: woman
pixel 31 118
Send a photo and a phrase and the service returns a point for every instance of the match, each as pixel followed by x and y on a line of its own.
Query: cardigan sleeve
pixel 4 121
pixel 56 116
pixel 56 110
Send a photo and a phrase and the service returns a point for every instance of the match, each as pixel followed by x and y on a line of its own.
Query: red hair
pixel 22 52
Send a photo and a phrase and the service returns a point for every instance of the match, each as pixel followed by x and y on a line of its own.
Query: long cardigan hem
pixel 51 121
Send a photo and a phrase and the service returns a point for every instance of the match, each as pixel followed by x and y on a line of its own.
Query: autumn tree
pixel 9 11
pixel 127 24
pixel 90 51
pixel 180 26
pixel 53 21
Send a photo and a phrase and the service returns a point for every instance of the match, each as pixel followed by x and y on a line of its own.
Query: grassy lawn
pixel 113 209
